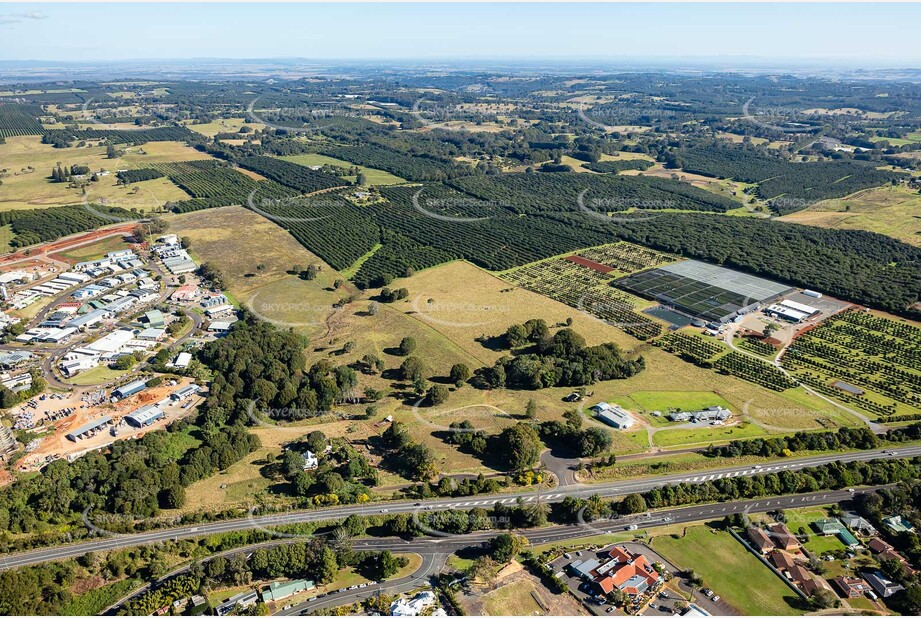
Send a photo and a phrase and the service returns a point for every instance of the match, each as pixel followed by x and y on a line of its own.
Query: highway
pixel 610 489
pixel 434 551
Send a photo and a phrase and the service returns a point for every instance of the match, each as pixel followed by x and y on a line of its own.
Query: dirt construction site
pixel 51 417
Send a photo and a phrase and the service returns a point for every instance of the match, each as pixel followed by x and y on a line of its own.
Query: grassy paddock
pixel 373 175
pixel 727 567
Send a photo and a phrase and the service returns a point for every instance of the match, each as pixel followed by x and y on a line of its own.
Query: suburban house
pixel 760 539
pixel 885 551
pixel 858 524
pixel 783 538
pixel 803 579
pixel 414 606
pixel 782 560
pixel 827 527
pixel 897 524
pixel 850 587
pixel 883 586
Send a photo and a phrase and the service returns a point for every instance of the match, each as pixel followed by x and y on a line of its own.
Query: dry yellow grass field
pixel 893 211
pixel 27 184
pixel 224 125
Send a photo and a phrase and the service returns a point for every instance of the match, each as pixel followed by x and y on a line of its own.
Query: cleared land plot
pixel 161 152
pixel 6 235
pixel 239 241
pixel 893 211
pixel 95 250
pixel 225 125
pixel 727 567
pixel 463 301
pixel 28 183
pixel 515 599
pixel 374 176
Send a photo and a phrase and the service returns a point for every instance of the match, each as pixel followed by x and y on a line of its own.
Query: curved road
pixel 485 501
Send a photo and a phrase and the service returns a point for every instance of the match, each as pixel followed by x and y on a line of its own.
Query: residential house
pixel 878 546
pixel 782 560
pixel 897 524
pixel 827 527
pixel 311 461
pixel 414 606
pixel 883 586
pixel 803 579
pixel 850 587
pixel 760 539
pixel 783 538
pixel 858 524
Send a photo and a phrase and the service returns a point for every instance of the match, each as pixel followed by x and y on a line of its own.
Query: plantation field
pixel 736 575
pixel 374 176
pixel 875 353
pixel 587 288
pixel 27 184
pixel 893 211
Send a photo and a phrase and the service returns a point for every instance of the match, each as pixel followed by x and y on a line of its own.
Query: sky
pixel 871 35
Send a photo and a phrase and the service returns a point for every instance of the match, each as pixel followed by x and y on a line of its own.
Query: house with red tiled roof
pixel 850 587
pixel 782 560
pixel 891 554
pixel 760 539
pixel 878 546
pixel 803 579
pixel 783 538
